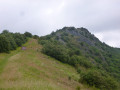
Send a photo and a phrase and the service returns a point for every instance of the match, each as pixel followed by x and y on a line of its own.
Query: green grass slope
pixel 97 63
pixel 31 70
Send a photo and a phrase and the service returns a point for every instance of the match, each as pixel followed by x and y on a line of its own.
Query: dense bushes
pixel 35 36
pixel 4 44
pixel 28 34
pixel 55 51
pixel 64 54
pixel 82 61
pixel 10 41
pixel 95 78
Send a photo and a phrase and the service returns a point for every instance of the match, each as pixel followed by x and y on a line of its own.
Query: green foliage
pixel 95 78
pixel 35 36
pixel 20 39
pixel 69 78
pixel 79 48
pixel 78 70
pixel 78 88
pixel 10 41
pixel 4 44
pixel 5 32
pixel 55 51
pixel 81 61
pixel 28 34
pixel 53 33
pixel 10 38
pixel 64 54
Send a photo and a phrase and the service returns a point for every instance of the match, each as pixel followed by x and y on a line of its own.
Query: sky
pixel 41 17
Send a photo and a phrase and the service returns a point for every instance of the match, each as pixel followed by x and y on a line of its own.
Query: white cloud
pixel 111 37
pixel 43 16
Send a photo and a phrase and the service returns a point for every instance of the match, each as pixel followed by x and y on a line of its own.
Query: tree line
pixel 10 41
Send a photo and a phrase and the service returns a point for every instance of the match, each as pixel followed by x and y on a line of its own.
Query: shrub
pixel 95 78
pixel 56 51
pixel 69 78
pixel 78 88
pixel 10 41
pixel 79 70
pixel 28 34
pixel 36 37
pixel 4 44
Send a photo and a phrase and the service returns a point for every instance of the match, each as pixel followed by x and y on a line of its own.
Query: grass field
pixel 31 70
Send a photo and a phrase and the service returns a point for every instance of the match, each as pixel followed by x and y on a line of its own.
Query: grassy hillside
pixel 97 63
pixel 31 70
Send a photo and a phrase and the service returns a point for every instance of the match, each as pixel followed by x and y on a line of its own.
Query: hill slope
pixel 30 69
pixel 81 49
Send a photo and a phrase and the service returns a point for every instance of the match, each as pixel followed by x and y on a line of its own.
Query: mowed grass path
pixel 31 70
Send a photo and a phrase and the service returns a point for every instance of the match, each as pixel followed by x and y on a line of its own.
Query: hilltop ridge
pixel 79 48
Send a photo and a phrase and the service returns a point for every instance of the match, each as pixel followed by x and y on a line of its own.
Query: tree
pixel 95 78
pixel 10 41
pixel 28 34
pixel 4 44
pixel 5 32
pixel 10 38
pixel 56 51
pixel 19 39
pixel 36 37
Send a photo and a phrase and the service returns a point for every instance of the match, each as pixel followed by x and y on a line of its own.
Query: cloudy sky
pixel 41 17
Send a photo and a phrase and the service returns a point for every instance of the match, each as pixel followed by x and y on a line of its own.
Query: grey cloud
pixel 41 17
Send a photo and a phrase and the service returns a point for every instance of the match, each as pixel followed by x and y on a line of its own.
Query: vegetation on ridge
pixel 10 41
pixel 97 63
